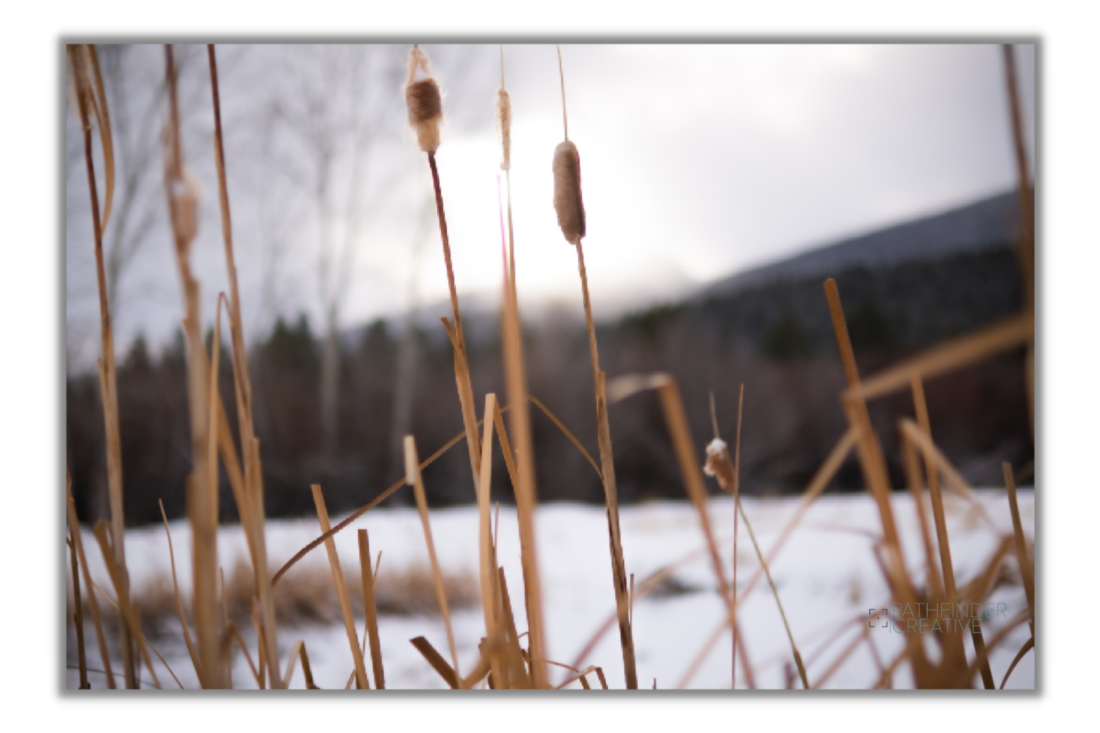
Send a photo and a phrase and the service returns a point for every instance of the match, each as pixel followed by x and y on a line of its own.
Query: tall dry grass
pixel 253 594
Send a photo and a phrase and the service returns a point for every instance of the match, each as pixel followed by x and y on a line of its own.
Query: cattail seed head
pixel 424 102
pixel 718 465
pixel 185 201
pixel 567 191
pixel 504 122
pixel 183 194
pixel 81 95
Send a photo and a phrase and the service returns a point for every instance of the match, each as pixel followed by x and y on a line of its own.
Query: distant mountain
pixel 986 225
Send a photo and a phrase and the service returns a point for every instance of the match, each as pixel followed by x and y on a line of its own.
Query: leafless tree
pixel 334 105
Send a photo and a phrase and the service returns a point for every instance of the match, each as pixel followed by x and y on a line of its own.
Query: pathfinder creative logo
pixel 923 618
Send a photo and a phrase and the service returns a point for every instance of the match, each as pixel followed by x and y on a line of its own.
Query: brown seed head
pixel 567 191
pixel 504 123
pixel 80 85
pixel 424 102
pixel 185 200
pixel 183 195
pixel 718 465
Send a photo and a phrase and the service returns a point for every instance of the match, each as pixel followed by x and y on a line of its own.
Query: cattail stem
pixel 462 371
pixel 607 468
pixel 201 496
pixel 564 116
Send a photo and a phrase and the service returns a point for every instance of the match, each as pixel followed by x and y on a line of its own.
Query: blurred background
pixel 722 184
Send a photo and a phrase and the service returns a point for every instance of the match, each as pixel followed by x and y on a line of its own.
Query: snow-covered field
pixel 826 575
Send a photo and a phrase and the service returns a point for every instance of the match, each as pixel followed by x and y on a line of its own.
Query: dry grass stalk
pixel 118 580
pixel 1026 573
pixel 144 645
pixel 191 651
pixel 370 610
pixel 413 477
pixel 341 590
pixel 864 636
pixel 955 481
pixel 93 604
pixel 682 441
pixel 736 524
pixel 251 508
pixel 212 415
pixel 913 479
pixel 1002 336
pixel 873 465
pixel 439 664
pixel 871 458
pixel 920 406
pixel 91 107
pixel 182 197
pixel 953 641
pixel 578 676
pixel 926 675
pixel 718 465
pixel 515 375
pixel 1028 646
pixel 486 553
pixel 227 651
pixel 518 676
pixel 298 651
pixel 233 634
pixel 561 426
pixel 78 618
pixel 981 662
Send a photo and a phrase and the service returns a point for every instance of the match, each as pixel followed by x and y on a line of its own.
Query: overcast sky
pixel 697 161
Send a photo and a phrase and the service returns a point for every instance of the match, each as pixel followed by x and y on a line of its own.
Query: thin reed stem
pixel 78 618
pixel 412 475
pixel 252 512
pixel 93 604
pixel 109 386
pixel 607 465
pixel 1026 571
pixel 341 590
pixel 462 370
pixel 779 603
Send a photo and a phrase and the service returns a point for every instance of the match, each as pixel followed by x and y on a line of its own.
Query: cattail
pixel 80 85
pixel 567 191
pixel 504 122
pixel 185 199
pixel 424 102
pixel 183 193
pixel 718 464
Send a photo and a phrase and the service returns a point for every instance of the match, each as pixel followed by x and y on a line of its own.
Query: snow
pixel 826 574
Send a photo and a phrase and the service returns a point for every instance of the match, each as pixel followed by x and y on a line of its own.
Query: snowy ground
pixel 826 574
